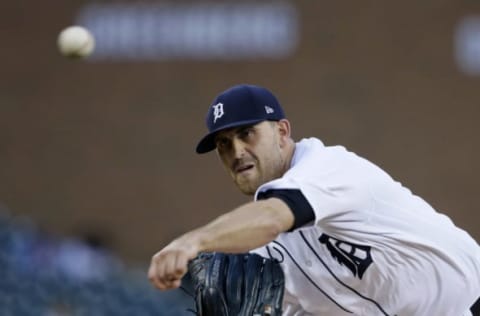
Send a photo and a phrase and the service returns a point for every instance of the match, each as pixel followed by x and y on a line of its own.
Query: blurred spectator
pixel 46 276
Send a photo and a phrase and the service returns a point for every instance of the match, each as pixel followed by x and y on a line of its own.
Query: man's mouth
pixel 243 168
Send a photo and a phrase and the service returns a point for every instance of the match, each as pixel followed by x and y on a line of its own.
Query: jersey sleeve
pixel 331 187
pixel 296 201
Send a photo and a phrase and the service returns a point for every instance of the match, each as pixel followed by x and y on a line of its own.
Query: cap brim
pixel 207 143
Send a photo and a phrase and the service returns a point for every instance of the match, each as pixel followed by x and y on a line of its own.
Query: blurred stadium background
pixel 97 163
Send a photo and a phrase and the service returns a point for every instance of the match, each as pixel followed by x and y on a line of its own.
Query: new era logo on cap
pixel 269 110
pixel 236 106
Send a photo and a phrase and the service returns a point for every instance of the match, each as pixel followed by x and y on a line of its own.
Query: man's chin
pixel 246 188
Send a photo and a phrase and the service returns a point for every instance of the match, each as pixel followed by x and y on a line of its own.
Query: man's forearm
pixel 245 228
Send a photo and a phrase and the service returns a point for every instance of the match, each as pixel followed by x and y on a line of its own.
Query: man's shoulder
pixel 309 143
pixel 332 164
pixel 314 146
pixel 305 149
pixel 314 154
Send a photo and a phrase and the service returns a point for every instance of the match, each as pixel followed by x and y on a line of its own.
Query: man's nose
pixel 238 148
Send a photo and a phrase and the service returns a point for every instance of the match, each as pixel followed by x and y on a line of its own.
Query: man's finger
pixel 151 272
pixel 154 274
pixel 180 266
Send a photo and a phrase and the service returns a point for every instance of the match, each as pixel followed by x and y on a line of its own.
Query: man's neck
pixel 289 156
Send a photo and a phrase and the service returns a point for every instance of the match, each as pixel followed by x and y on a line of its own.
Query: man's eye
pixel 222 142
pixel 245 133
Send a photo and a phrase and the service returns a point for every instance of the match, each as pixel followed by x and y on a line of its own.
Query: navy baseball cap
pixel 239 105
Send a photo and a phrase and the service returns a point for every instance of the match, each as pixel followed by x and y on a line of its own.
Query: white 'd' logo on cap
pixel 217 111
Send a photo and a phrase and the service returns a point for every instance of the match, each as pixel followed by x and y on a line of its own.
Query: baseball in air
pixel 75 42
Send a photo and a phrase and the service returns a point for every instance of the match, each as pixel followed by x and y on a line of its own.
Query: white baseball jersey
pixel 374 248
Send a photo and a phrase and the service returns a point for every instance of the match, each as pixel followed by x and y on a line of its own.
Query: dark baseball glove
pixel 236 285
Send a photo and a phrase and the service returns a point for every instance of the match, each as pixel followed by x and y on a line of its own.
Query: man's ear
pixel 284 131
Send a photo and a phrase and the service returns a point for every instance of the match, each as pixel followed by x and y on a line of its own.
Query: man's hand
pixel 247 227
pixel 169 265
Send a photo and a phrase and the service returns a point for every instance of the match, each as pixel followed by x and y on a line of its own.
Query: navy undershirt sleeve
pixel 296 201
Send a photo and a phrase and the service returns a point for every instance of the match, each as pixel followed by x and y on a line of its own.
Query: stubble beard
pixel 249 186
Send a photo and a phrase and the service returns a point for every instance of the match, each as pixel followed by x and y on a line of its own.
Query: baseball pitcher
pixel 327 233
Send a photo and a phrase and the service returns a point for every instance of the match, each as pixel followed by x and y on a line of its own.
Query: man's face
pixel 252 154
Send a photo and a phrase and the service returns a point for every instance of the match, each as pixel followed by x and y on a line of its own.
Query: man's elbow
pixel 276 228
pixel 280 217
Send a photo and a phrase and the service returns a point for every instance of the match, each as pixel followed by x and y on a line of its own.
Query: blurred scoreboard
pixel 155 31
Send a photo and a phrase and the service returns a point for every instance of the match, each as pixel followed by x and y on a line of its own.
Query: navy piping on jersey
pixel 296 201
pixel 339 281
pixel 279 253
pixel 309 279
pixel 476 308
